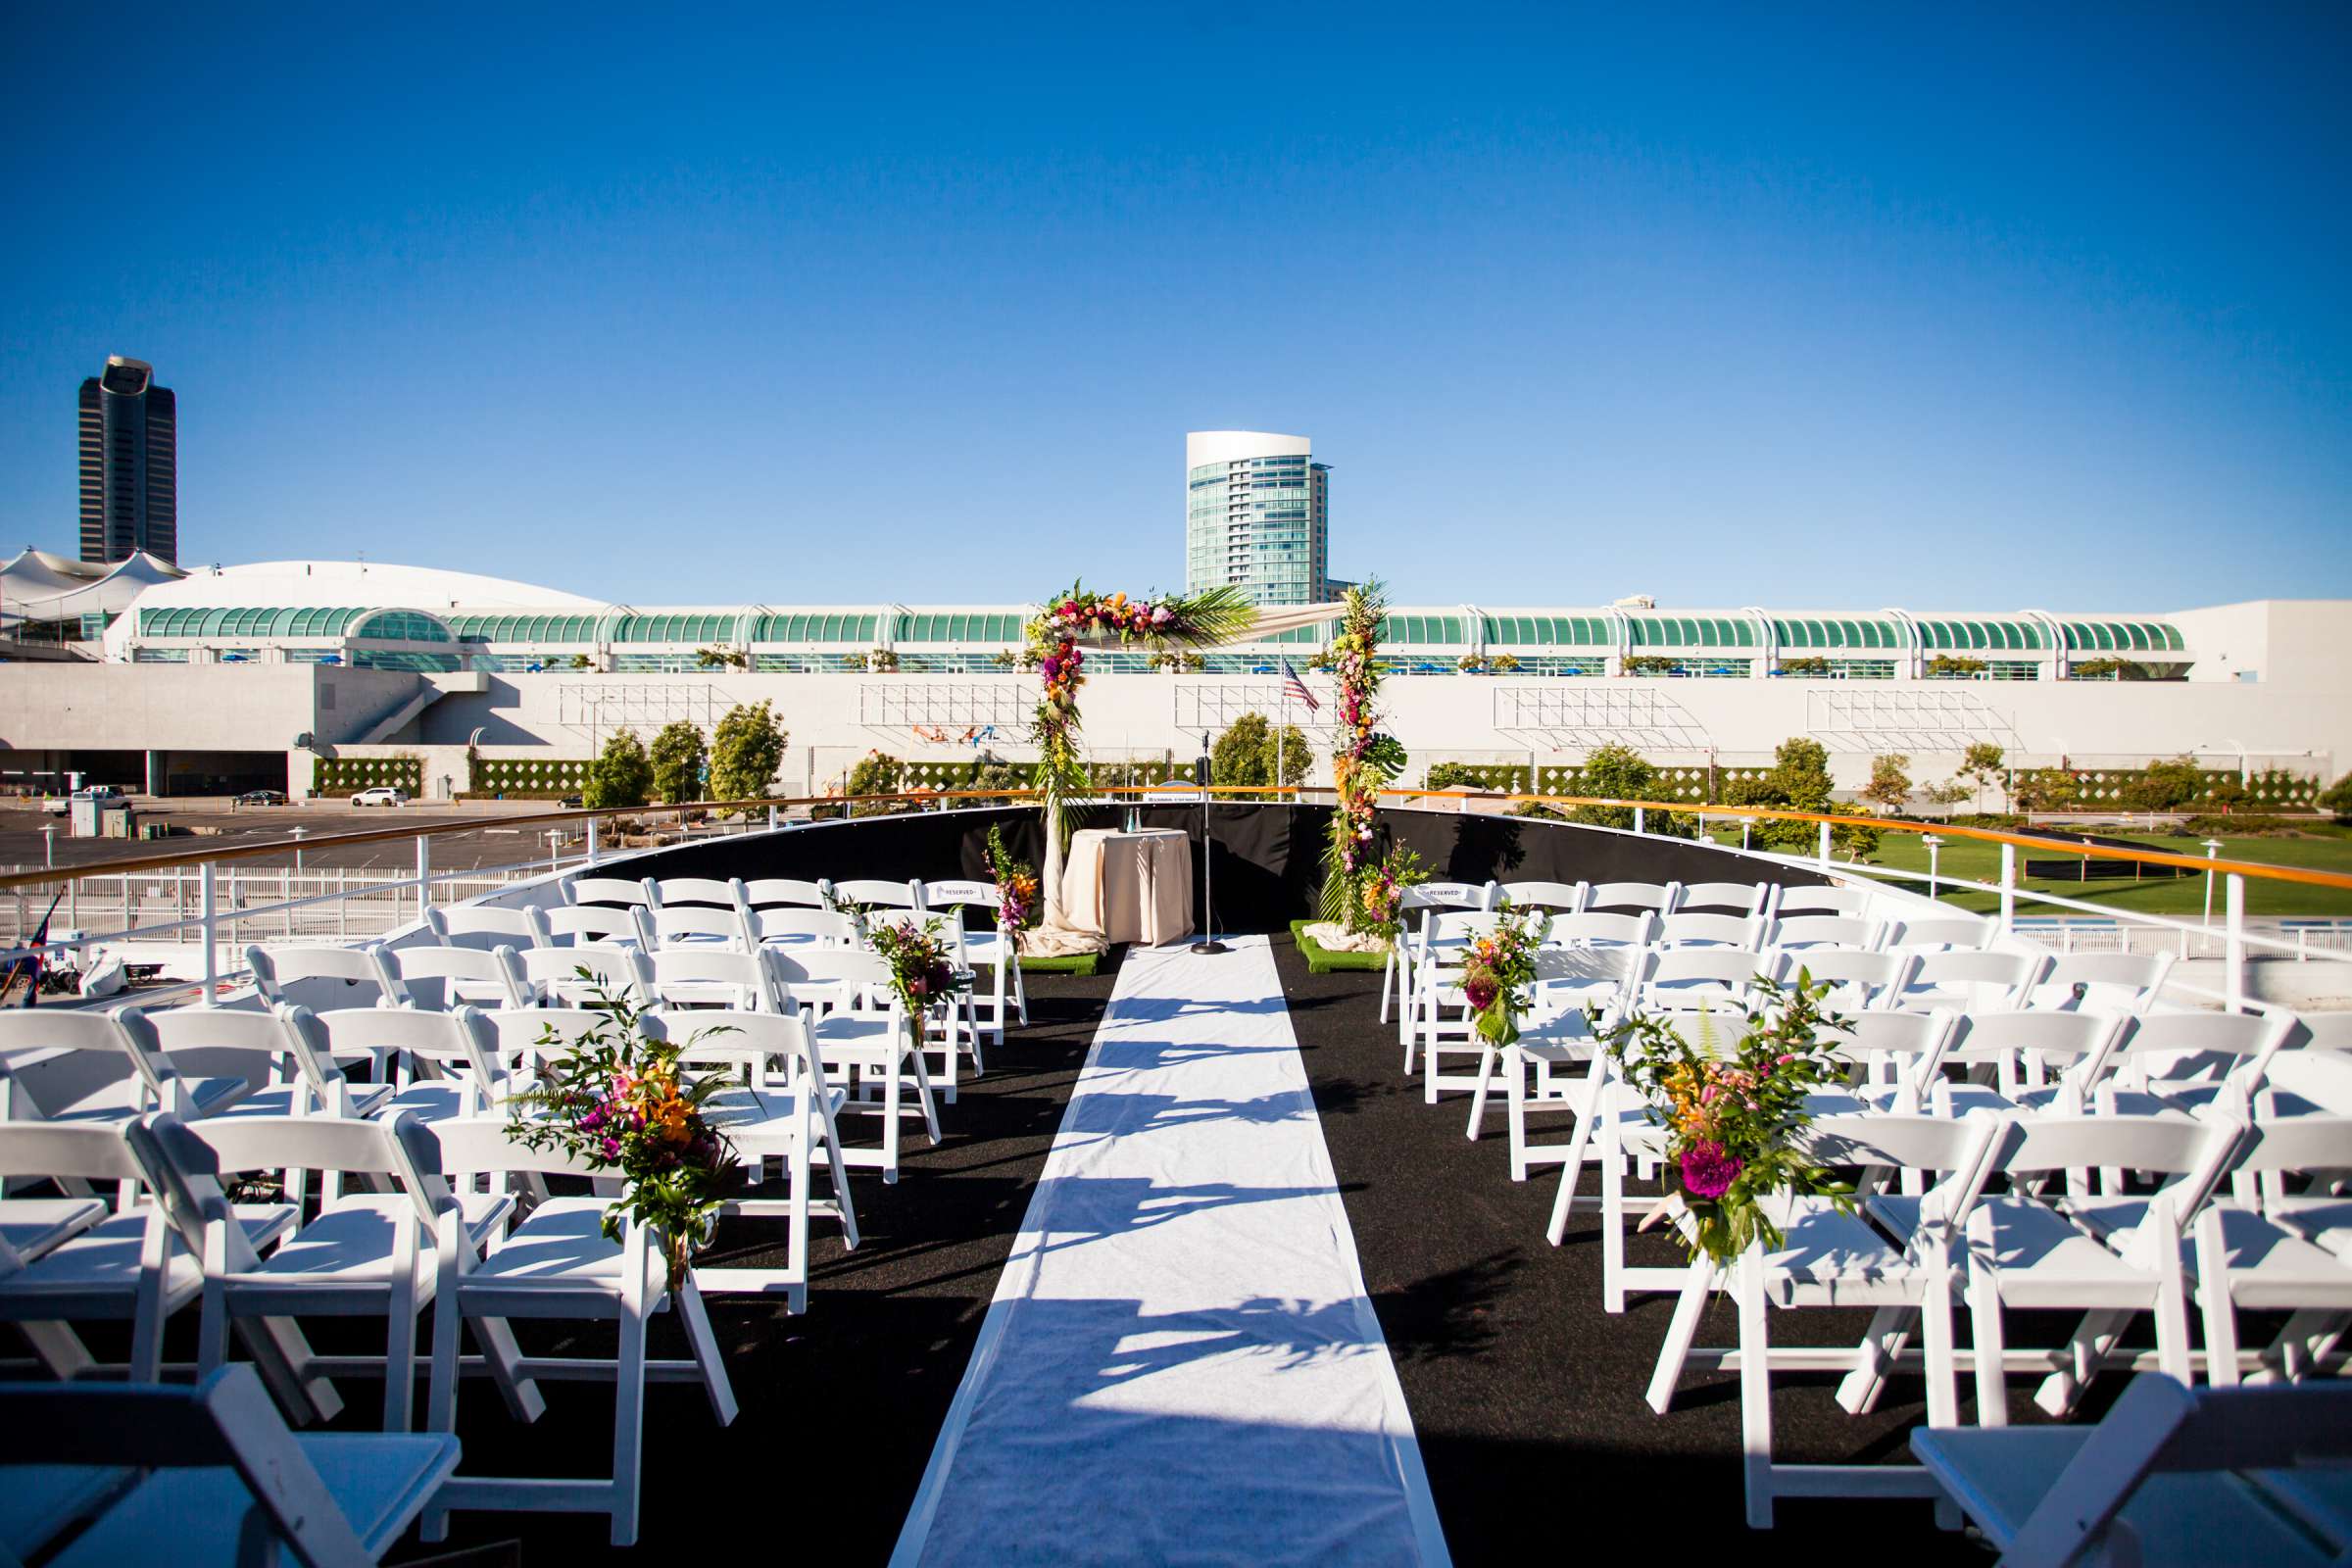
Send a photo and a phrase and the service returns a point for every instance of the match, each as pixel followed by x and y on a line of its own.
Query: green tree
pixel 876 773
pixel 1889 783
pixel 1797 781
pixel 746 751
pixel 2046 789
pixel 1981 764
pixel 679 758
pixel 1621 773
pixel 621 775
pixel 1954 666
pixel 1805 664
pixel 2164 785
pixel 1651 664
pixel 1245 752
pixel 2337 798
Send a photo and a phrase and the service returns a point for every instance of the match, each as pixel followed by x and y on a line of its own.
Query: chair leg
pixel 1387 983
pixel 1020 993
pixel 1985 1316
pixel 705 1347
pixel 796 1228
pixel 1680 1330
pixel 1515 1109
pixel 628 1405
pixel 1875 1359
pixel 1486 1060
pixel 2092 1339
pixel 1936 1331
pixel 891 1076
pixel 1756 1391
pixel 922 1094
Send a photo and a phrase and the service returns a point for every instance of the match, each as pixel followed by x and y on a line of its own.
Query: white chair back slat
pixel 1565 897
pixel 1972 981
pixel 671 891
pixel 439 979
pixel 712 976
pixel 1711 931
pixel 1594 928
pixel 1738 898
pixel 1826 931
pixel 487 925
pixel 1863 980
pixel 1940 933
pixel 620 972
pixel 624 892
pixel 690 925
pixel 1851 903
pixel 581 924
pixel 768 892
pixel 2110 982
pixel 872 891
pixel 322 977
pixel 1655 897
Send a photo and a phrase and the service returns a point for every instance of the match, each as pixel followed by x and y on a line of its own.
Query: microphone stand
pixel 1208 945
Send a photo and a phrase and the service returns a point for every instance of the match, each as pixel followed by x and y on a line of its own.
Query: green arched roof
pixel 1690 631
pixel 2123 637
pixel 1985 635
pixel 1839 631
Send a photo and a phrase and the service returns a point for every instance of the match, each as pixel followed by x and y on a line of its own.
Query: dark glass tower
pixel 129 465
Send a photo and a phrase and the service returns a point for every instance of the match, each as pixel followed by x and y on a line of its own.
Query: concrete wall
pixel 218 708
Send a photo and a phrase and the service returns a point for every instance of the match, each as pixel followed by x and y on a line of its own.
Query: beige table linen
pixel 1129 887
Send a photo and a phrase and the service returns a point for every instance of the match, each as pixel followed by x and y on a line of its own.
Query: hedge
pixel 530 778
pixel 348 775
pixel 1677 784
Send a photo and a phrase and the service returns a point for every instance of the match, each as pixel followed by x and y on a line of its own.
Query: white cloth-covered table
pixel 1129 887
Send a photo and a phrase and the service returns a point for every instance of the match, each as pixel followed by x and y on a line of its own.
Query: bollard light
pixel 2213 847
pixel 1935 845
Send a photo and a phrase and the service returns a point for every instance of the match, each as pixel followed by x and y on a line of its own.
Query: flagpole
pixel 1281 724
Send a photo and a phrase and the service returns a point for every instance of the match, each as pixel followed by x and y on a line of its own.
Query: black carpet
pixel 1528 1398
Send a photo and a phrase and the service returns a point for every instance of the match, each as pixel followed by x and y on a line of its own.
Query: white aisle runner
pixel 1181 1362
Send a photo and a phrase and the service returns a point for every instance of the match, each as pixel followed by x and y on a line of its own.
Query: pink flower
pixel 1708 1170
pixel 1160 617
pixel 1481 991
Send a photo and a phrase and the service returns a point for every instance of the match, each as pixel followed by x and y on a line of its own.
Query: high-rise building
pixel 1257 517
pixel 129 465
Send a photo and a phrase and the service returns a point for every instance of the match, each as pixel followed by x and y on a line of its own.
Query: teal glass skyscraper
pixel 1257 517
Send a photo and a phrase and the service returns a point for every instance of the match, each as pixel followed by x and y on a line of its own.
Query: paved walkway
pixel 1181 1361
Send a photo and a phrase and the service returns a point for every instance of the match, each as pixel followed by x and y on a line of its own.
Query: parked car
pixel 381 795
pixel 263 797
pixel 60 805
pixel 572 802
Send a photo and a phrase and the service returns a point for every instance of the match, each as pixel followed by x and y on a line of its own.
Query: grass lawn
pixel 2329 848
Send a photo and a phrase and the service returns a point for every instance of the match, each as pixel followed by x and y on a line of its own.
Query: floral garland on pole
pixel 1182 621
pixel 1365 761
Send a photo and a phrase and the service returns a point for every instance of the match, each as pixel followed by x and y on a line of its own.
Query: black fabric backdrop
pixel 1269 867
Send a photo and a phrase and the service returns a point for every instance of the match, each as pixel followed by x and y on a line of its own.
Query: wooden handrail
pixel 53 876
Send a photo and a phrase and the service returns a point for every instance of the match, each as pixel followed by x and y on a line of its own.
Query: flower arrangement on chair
pixel 1380 907
pixel 1017 906
pixel 922 965
pixel 620 1101
pixel 1735 1116
pixel 1498 975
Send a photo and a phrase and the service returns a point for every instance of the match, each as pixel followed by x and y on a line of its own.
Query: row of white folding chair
pixel 2011 1250
pixel 428 1236
pixel 487 925
pixel 92 1066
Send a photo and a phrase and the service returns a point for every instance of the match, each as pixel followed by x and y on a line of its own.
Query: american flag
pixel 1293 687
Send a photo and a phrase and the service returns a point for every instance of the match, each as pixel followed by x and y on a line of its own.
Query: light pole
pixel 1935 845
pixel 300 833
pixel 49 845
pixel 2213 847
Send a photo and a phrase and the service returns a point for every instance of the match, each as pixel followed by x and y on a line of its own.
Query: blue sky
pixel 1950 307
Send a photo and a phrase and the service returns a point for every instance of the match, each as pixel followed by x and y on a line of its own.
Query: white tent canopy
pixel 37 586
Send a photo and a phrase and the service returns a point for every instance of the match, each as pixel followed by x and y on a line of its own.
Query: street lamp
pixel 300 833
pixel 2213 847
pixel 1935 845
pixel 49 845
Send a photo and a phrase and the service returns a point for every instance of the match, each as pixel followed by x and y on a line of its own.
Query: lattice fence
pixel 347 775
pixel 526 778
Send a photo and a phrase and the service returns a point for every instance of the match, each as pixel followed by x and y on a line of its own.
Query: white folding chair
pixel 367 1255
pixel 949 1024
pixel 2110 982
pixel 1440 1013
pixel 1861 982
pixel 694 926
pixel 1955 934
pixel 1711 931
pixel 1688 980
pixel 204 1475
pixel 523 1042
pixel 623 973
pixel 1555 1034
pixel 2255 1262
pixel 588 925
pixel 1745 899
pixel 993 948
pixel 438 979
pixel 1828 1258
pixel 1592 928
pixel 1972 981
pixel 875 893
pixel 1891 1058
pixel 321 977
pixel 794 927
pixel 2025 1061
pixel 1423 897
pixel 624 892
pixel 671 892
pixel 713 978
pixel 556 1264
pixel 1565 897
pixel 84 1267
pixel 1851 903
pixel 1795 935
pixel 281 1055
pixel 1656 897
pixel 783 1107
pixel 446 1063
pixel 488 926
pixel 2174 1478
pixel 2025 1254
pixel 118 1074
pixel 2180 1061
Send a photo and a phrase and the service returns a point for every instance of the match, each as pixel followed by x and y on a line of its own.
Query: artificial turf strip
pixel 1321 960
pixel 1080 963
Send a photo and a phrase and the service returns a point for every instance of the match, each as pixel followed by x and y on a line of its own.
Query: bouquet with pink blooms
pixel 1735 1117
